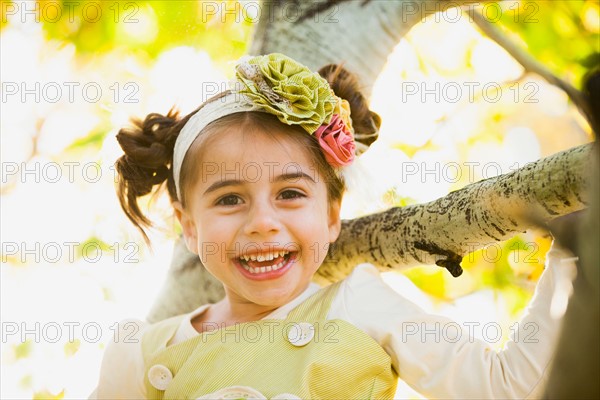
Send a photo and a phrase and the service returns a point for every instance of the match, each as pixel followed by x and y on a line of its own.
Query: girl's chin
pixel 274 298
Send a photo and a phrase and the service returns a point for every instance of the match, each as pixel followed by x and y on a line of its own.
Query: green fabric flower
pixel 287 89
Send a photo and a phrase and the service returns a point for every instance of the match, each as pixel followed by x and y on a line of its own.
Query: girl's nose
pixel 262 219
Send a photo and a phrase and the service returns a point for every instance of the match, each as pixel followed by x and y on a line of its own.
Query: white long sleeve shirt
pixel 434 355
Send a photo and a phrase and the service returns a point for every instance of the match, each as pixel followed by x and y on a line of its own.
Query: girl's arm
pixel 122 370
pixel 437 356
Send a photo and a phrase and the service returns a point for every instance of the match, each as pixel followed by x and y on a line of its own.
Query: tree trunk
pixel 359 33
pixel 442 231
pixel 576 365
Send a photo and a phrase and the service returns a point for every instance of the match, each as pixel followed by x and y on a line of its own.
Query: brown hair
pixel 148 146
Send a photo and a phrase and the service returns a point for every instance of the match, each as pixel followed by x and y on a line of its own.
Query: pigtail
pixel 148 147
pixel 366 123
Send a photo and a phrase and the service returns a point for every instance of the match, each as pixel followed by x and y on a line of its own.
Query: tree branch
pixel 444 230
pixel 531 65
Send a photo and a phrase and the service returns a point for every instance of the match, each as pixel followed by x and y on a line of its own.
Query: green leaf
pixel 411 150
pixel 150 27
pixel 429 279
pixel 92 248
pixel 392 199
pixel 46 395
pixel 6 6
pixel 555 34
pixel 23 350
pixel 71 348
pixel 26 381
pixel 94 139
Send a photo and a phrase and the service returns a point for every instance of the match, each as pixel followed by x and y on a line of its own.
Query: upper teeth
pixel 265 256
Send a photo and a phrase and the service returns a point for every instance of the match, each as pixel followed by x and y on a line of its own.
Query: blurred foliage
pixel 23 350
pixel 93 140
pixel 411 150
pixel 46 395
pixel 5 7
pixel 92 248
pixel 72 347
pixel 26 381
pixel 144 27
pixel 392 198
pixel 562 34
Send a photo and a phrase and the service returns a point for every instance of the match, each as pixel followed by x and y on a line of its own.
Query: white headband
pixel 231 103
pixel 292 82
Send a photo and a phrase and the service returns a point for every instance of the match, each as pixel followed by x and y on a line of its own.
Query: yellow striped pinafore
pixel 303 356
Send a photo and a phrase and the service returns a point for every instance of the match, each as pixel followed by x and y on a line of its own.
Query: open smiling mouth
pixel 266 265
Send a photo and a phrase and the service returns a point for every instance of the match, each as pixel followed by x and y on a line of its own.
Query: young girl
pixel 256 180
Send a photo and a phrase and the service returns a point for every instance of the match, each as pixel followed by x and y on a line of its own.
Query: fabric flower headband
pixel 279 85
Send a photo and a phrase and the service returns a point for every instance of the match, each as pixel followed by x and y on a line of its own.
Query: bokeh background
pixel 73 73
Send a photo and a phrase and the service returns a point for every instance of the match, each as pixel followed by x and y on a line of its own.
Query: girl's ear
pixel 334 223
pixel 189 227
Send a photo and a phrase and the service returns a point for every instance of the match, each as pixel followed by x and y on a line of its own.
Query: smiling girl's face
pixel 258 215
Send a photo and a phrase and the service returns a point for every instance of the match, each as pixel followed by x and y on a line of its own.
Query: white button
pixel 160 376
pixel 234 392
pixel 300 334
pixel 285 396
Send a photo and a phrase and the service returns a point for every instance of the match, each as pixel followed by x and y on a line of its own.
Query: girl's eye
pixel 229 200
pixel 291 194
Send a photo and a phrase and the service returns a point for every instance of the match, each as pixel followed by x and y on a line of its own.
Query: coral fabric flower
pixel 342 107
pixel 287 89
pixel 336 141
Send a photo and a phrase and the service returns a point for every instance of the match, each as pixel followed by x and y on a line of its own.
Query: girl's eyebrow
pixel 294 176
